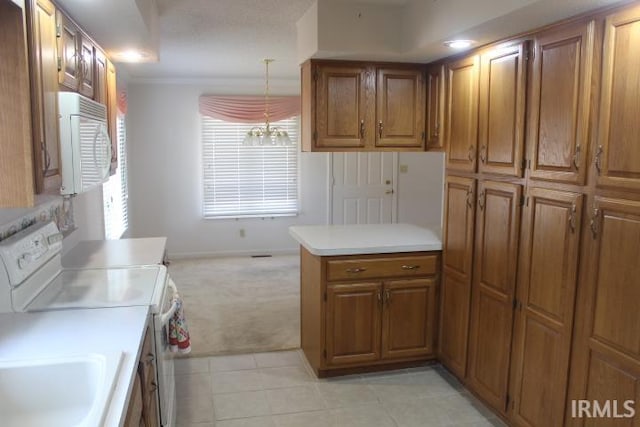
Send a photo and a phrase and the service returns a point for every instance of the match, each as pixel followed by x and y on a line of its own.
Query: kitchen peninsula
pixel 369 295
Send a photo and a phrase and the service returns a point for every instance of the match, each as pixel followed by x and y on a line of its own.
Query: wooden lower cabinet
pixel 605 363
pixel 548 279
pixel 457 242
pixel 381 316
pixel 353 323
pixel 494 282
pixel 143 402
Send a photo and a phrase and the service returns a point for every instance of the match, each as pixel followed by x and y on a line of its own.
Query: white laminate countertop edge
pixel 54 334
pixel 116 253
pixel 334 240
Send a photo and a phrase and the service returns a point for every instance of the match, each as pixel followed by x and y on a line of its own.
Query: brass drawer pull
pixel 356 270
pixel 410 267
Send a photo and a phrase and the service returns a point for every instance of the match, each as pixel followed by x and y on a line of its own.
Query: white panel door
pixel 363 188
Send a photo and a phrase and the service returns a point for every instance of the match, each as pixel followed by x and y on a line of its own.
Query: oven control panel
pixel 26 251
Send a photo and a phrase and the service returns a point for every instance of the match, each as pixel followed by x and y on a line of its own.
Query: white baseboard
pixel 228 254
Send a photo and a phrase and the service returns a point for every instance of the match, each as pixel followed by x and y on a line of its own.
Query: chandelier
pixel 267 135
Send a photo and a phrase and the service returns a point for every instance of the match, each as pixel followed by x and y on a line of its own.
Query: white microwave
pixel 85 148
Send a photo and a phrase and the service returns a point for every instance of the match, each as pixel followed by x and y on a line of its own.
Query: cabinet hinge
pixel 507 401
pixel 59 63
pixel 515 303
pixel 325 296
pixel 324 353
pixel 525 164
pixel 315 75
pixel 315 135
pixel 522 200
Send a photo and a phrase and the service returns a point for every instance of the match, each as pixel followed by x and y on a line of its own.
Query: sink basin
pixel 65 392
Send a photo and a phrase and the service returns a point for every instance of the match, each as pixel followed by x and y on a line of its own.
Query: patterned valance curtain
pixel 249 109
pixel 122 102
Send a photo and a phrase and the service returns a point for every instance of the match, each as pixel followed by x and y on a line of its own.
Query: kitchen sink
pixel 65 391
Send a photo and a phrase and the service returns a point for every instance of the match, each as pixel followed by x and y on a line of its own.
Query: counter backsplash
pixel 57 209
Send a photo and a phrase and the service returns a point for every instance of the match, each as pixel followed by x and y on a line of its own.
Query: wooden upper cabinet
pixel 606 354
pixel 559 103
pixel 617 148
pixel 344 107
pixel 457 261
pixel 76 62
pixel 544 320
pixel 360 106
pixel 69 66
pixel 400 108
pixel 435 108
pixel 111 102
pixel 461 114
pixel 503 73
pixel 16 172
pixel 87 68
pixel 100 77
pixel 44 89
pixel 494 283
pixel 353 323
pixel 408 318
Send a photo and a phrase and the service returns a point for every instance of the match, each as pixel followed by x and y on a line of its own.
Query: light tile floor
pixel 279 390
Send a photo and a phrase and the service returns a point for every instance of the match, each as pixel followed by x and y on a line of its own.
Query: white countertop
pixel 116 253
pixel 75 332
pixel 329 240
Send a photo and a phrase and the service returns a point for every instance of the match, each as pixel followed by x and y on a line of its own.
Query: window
pixel 115 191
pixel 244 181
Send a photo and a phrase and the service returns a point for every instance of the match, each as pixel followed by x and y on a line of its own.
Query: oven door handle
pixel 164 317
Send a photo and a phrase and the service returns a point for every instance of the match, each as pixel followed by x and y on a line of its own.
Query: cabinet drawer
pixel 369 268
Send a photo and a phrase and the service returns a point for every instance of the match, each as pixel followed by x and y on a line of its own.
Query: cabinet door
pixel 353 323
pixel 457 262
pixel 100 79
pixel 112 113
pixel 461 121
pixel 16 173
pixel 544 319
pixel 400 108
pixel 617 156
pixel 44 84
pixel 459 214
pixel 345 107
pixel 559 105
pixel 435 108
pixel 408 318
pixel 503 74
pixel 606 352
pixel 68 52
pixel 494 281
pixel 86 67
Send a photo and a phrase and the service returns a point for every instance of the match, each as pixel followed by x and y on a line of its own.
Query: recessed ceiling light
pixel 131 55
pixel 459 44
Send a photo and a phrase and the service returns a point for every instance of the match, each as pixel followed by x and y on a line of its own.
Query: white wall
pixel 163 130
pixel 88 214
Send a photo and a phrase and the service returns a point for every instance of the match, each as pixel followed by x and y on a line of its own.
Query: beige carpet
pixel 240 305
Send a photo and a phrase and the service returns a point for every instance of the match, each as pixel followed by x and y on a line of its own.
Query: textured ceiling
pixel 225 39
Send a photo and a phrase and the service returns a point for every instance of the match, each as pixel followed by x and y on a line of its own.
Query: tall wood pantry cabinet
pixel 361 106
pixel 605 360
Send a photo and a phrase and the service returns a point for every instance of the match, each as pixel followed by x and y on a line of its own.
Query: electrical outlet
pixel 404 168
pixel 242 232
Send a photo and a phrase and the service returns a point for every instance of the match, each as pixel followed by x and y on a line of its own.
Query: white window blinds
pixel 241 180
pixel 115 191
